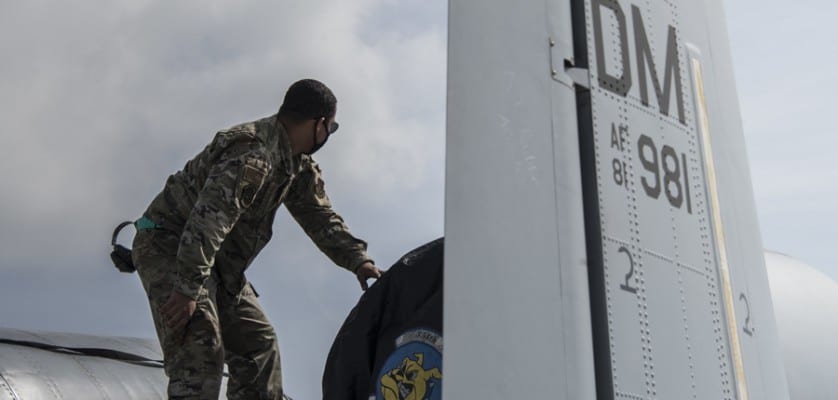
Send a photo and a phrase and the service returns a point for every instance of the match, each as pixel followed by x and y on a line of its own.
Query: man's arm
pixel 231 185
pixel 310 206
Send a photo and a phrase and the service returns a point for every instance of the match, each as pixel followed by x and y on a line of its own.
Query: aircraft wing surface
pixel 39 365
pixel 52 365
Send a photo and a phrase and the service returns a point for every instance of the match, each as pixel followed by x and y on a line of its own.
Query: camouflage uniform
pixel 214 217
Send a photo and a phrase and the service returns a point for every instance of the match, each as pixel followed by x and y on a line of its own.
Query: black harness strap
pixel 89 351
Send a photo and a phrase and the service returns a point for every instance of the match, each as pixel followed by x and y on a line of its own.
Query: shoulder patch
pixel 250 181
pixel 319 185
pixel 255 170
pixel 320 188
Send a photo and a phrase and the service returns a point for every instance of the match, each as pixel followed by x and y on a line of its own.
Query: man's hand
pixel 178 309
pixel 365 271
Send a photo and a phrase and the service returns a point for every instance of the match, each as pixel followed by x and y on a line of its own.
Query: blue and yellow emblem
pixel 414 369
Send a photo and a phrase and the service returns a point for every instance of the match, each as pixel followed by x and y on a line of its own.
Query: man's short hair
pixel 308 99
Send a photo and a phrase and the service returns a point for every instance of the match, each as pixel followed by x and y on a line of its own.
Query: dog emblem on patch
pixel 414 369
pixel 250 181
pixel 410 380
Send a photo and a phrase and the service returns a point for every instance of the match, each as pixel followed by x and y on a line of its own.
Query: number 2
pixel 748 329
pixel 627 286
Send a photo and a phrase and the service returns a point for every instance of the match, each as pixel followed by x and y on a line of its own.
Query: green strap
pixel 145 223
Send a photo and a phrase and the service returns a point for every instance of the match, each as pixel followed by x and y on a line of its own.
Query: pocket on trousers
pixel 245 370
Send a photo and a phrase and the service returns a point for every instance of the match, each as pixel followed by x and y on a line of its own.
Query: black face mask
pixel 332 128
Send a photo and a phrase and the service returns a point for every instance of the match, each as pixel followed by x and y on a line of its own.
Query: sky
pixel 100 101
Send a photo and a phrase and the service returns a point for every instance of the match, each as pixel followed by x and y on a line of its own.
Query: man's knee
pixel 262 358
pixel 194 355
pixel 195 367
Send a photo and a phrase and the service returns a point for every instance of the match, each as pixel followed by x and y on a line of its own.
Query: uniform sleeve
pixel 230 188
pixel 309 205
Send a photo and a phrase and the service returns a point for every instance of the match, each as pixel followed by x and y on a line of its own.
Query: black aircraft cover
pixel 390 346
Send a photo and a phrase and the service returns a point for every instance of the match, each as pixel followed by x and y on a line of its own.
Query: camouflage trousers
pixel 224 328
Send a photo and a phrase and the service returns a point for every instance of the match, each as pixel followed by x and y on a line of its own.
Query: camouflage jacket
pixel 218 211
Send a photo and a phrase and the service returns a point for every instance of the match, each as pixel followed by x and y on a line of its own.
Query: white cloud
pixel 102 100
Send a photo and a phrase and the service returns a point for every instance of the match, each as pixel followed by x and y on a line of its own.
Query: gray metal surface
pixel 31 373
pixel 679 299
pixel 664 300
pixel 7 392
pixel 39 374
pixel 517 317
pixel 805 302
pixel 683 280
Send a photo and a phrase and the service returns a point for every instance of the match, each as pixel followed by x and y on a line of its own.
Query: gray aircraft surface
pixel 601 234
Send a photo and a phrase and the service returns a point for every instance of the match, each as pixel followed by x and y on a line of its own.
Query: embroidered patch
pixel 320 188
pixel 414 368
pixel 250 181
pixel 253 175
